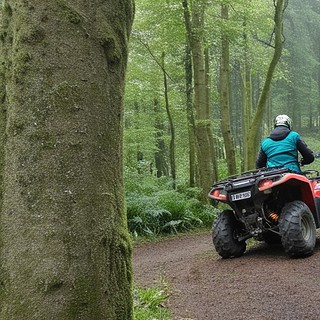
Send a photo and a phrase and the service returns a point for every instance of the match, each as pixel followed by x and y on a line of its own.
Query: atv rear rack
pixel 250 177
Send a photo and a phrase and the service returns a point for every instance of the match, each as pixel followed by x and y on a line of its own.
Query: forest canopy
pixel 159 29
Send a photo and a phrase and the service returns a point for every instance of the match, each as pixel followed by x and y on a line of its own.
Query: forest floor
pixel 263 284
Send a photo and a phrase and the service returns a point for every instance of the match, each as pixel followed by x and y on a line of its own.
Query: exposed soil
pixel 263 284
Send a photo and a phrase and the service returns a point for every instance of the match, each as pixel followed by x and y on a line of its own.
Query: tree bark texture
pixel 65 251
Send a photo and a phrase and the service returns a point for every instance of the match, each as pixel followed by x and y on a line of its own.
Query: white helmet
pixel 283 120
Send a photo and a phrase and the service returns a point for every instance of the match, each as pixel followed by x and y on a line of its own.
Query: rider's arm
pixel 261 160
pixel 307 154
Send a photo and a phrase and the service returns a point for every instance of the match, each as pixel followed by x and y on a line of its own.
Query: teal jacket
pixel 281 149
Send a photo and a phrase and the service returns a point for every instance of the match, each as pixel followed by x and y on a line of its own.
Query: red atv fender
pixel 309 190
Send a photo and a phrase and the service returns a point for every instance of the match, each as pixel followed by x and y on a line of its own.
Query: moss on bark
pixel 65 251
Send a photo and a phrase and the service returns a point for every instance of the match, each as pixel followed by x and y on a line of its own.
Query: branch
pixel 268 44
pixel 274 30
pixel 153 56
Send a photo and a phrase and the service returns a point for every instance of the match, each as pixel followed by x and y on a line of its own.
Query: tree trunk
pixel 65 250
pixel 213 156
pixel 160 154
pixel 253 141
pixel 189 97
pixel 194 26
pixel 171 125
pixel 225 99
pixel 190 117
pixel 247 111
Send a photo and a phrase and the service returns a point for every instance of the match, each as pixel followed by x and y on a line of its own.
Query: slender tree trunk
pixel 247 94
pixel 190 116
pixel 247 110
pixel 247 98
pixel 213 157
pixel 225 99
pixel 253 142
pixel 171 125
pixel 310 111
pixel 189 97
pixel 65 251
pixel 160 154
pixel 269 120
pixel 294 112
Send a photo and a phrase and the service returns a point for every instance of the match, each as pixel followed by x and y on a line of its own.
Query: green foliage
pixel 149 304
pixel 298 94
pixel 314 144
pixel 154 208
pixel 159 28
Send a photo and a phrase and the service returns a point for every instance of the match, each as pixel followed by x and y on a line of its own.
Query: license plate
pixel 241 195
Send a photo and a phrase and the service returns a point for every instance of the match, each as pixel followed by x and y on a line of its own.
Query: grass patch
pixel 149 303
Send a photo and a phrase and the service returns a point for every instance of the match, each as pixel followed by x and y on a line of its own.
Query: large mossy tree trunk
pixel 65 251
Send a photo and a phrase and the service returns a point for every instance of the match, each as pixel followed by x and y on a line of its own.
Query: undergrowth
pixel 154 208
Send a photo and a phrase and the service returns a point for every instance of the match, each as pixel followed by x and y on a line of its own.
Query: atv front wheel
pixel 297 229
pixel 224 231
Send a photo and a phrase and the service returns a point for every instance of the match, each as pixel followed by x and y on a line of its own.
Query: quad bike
pixel 275 205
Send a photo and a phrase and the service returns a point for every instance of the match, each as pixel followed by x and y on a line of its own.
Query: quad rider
pixel 282 146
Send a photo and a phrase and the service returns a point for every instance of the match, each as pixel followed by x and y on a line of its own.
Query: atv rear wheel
pixel 297 229
pixel 224 231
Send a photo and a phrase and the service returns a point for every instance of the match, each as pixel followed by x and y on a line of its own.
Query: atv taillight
pixel 265 184
pixel 218 194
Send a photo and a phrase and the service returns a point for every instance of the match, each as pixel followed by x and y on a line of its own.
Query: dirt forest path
pixel 263 284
